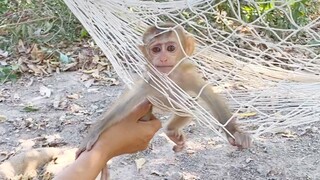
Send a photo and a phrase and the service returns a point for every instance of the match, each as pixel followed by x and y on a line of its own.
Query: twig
pixel 27 22
pixel 7 156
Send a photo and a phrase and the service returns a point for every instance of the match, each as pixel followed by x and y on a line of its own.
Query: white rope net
pixel 267 69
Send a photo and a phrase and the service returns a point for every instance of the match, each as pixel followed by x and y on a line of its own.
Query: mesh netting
pixel 258 55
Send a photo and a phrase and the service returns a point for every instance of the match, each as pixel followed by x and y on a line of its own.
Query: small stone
pixel 3 118
pixel 314 130
pixel 248 160
pixel 190 151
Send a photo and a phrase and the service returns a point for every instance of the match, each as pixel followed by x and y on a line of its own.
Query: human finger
pixel 140 110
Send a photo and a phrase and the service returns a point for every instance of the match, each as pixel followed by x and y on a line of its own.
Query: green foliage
pixel 3 6
pixel 8 73
pixel 274 13
pixel 37 21
pixel 30 108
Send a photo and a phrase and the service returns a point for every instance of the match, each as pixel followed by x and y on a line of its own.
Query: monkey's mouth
pixel 164 69
pixel 164 66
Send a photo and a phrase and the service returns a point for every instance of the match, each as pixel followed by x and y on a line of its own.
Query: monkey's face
pixel 165 52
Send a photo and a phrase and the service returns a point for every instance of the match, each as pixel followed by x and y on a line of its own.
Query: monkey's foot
pixel 241 140
pixel 177 137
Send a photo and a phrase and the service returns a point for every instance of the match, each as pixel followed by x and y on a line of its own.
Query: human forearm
pixel 87 166
pixel 127 136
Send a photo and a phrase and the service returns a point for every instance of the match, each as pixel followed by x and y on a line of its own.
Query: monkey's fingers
pixel 79 152
pixel 91 142
pixel 241 140
pixel 178 138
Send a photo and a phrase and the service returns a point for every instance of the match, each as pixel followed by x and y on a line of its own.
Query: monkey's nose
pixel 163 60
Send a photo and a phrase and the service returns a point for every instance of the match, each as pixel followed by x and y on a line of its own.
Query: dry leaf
pixel 88 83
pixel 30 83
pixel 4 53
pixel 73 96
pixel 21 48
pixel 139 163
pixel 44 91
pixel 89 71
pixel 95 74
pixel 70 66
pixel 37 54
pixel 247 114
pixel 95 58
pixel 190 151
pixel 211 142
pixel 74 108
pixel 84 77
pixel 35 69
pixel 288 134
pixel 3 118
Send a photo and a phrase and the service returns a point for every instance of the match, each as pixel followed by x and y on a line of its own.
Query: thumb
pixel 153 123
pixel 139 110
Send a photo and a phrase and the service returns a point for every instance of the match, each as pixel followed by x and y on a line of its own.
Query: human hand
pixel 131 134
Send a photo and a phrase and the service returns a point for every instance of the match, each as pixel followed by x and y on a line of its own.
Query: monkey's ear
pixel 190 45
pixel 143 50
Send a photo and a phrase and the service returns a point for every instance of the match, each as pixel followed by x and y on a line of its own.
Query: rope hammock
pixel 268 74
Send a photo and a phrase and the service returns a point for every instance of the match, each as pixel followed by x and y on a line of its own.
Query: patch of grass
pixel 37 21
pixel 8 73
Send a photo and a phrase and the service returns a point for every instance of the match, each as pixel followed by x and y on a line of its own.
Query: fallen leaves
pixel 139 163
pixel 4 94
pixel 288 134
pixel 247 114
pixel 3 53
pixel 74 108
pixel 30 108
pixel 44 60
pixel 2 118
pixel 73 96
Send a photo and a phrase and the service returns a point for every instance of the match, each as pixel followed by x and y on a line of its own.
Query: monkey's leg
pixel 115 113
pixel 175 133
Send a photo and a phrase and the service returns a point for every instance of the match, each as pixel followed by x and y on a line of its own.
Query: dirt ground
pixel 63 107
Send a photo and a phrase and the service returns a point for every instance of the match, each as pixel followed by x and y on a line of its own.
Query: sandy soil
pixel 63 117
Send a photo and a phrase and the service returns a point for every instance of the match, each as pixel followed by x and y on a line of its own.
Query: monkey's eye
pixel 156 49
pixel 171 48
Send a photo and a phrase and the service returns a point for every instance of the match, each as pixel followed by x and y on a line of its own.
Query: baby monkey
pixel 164 49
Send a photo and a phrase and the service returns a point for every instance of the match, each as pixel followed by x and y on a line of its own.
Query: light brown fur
pixel 163 51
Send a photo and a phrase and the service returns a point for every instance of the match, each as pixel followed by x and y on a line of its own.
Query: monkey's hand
pixel 87 144
pixel 241 139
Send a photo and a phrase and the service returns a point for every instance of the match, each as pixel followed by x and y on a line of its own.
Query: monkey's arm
pixel 221 112
pixel 128 100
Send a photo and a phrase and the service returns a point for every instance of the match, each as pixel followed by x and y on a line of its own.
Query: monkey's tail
pixel 26 163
